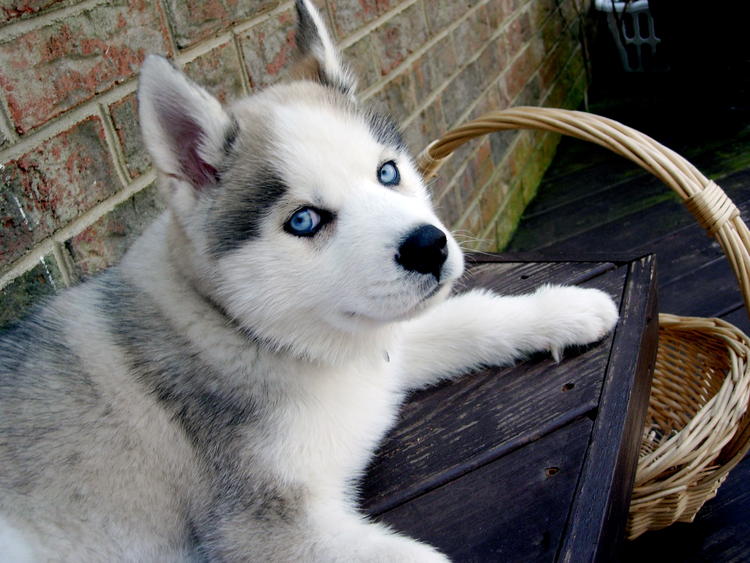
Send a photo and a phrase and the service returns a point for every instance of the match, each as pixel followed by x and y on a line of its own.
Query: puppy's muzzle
pixel 424 250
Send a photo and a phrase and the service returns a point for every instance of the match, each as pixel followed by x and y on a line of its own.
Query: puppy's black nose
pixel 424 250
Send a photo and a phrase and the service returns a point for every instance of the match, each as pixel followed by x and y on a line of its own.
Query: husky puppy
pixel 217 395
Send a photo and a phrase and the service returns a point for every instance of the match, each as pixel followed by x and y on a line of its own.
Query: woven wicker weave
pixel 697 426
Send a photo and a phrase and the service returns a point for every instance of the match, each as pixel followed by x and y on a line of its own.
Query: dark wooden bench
pixel 533 462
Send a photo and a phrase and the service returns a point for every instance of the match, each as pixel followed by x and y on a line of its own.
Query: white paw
pixel 575 316
pixel 401 549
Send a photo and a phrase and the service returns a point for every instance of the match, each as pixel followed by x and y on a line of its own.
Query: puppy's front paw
pixel 400 549
pixel 575 316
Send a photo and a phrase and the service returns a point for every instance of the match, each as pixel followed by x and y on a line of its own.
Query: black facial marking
pixel 230 137
pixel 239 212
pixel 385 130
pixel 307 32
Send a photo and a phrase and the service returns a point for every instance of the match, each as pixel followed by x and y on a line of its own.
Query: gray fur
pixel 385 130
pixel 137 412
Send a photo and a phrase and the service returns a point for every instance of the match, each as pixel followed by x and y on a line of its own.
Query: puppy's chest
pixel 335 420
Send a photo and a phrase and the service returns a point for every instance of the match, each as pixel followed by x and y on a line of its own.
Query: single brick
pixel 350 15
pixel 17 9
pixel 124 115
pixel 104 242
pixel 399 37
pixel 51 185
pixel 219 71
pixel 19 296
pixel 47 71
pixel 268 49
pixel 396 98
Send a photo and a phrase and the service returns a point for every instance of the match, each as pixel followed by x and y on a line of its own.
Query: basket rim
pixel 718 215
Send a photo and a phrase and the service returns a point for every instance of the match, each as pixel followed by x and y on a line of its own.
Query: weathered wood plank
pixel 515 278
pixel 498 410
pixel 599 511
pixel 707 291
pixel 630 197
pixel 584 171
pixel 511 509
pixel 624 228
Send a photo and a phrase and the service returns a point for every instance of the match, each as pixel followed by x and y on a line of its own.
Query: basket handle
pixel 705 200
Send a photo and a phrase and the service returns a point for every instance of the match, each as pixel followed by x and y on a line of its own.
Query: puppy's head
pixel 303 210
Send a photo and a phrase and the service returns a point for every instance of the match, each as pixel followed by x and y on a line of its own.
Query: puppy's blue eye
pixel 388 174
pixel 304 222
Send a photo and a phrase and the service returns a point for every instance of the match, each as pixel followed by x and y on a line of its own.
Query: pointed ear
pixel 183 126
pixel 319 59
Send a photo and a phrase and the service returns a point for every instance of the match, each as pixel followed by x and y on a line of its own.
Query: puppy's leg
pixel 325 530
pixel 346 537
pixel 482 328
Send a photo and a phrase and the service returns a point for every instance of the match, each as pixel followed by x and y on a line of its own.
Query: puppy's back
pixel 86 456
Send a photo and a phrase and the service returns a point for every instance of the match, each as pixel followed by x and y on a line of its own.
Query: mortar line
pixel 201 48
pixel 247 86
pixel 113 144
pixel 62 264
pixel 167 22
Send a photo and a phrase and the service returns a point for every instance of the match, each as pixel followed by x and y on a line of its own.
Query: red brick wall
pixel 76 186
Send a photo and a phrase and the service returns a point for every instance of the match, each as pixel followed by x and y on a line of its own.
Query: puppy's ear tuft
pixel 319 59
pixel 184 127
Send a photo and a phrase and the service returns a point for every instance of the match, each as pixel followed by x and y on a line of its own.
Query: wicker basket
pixel 697 426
